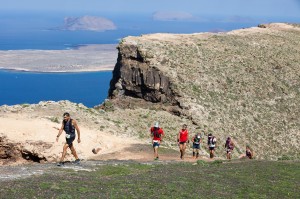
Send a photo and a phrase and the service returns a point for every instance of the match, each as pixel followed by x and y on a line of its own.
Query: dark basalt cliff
pixel 243 83
pixel 133 76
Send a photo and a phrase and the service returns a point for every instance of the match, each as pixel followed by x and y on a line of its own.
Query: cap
pixel 156 125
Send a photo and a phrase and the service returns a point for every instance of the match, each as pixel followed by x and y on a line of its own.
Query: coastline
pixel 87 58
pixel 104 69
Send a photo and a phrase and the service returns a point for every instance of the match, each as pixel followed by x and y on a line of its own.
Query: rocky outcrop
pixel 242 84
pixel 133 76
pixel 12 152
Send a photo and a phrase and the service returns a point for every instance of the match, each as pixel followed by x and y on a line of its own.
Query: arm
pixel 60 131
pixel 77 129
pixel 151 135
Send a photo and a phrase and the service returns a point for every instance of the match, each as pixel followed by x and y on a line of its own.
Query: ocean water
pixel 32 31
pixel 88 88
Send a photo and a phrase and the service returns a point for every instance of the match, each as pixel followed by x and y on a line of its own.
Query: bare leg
pixel 211 152
pixel 155 152
pixel 197 153
pixel 74 152
pixel 194 153
pixel 183 150
pixel 65 147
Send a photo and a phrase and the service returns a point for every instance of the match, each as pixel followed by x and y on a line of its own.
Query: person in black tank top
pixel 196 144
pixel 70 127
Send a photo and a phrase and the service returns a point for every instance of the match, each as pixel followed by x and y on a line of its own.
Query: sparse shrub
pixel 217 162
pixel 202 163
pixel 285 157
pixel 25 105
pixel 54 119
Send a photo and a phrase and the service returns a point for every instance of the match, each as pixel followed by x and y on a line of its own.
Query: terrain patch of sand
pixel 38 135
pixel 29 131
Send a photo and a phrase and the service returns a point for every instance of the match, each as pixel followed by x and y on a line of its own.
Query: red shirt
pixel 183 137
pixel 156 133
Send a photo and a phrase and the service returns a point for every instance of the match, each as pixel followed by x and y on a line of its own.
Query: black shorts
pixel 212 148
pixel 182 142
pixel 228 150
pixel 70 141
pixel 196 146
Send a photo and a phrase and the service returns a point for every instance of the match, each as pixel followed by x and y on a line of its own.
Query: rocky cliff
pixel 243 83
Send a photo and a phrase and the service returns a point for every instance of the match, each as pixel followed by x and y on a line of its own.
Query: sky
pixel 278 8
pixel 62 20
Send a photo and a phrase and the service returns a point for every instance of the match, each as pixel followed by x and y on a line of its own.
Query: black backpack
pixel 210 140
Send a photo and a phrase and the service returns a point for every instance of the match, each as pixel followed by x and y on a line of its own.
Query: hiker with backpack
pixel 229 146
pixel 157 135
pixel 182 139
pixel 196 144
pixel 70 127
pixel 211 142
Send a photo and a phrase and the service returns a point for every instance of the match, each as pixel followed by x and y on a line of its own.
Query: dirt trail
pixel 33 129
pixel 134 154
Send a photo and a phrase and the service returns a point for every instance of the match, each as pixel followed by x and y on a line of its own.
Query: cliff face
pixel 243 84
pixel 133 76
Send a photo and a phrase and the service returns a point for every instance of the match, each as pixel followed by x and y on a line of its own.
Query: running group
pixel 157 135
pixel 70 127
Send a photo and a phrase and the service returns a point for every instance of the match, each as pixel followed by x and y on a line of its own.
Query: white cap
pixel 156 125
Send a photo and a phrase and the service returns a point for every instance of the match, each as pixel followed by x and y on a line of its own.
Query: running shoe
pixel 77 161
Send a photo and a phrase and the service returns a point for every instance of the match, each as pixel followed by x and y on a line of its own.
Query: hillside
pixel 243 84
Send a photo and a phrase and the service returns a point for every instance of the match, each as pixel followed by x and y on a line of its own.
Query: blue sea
pixel 35 31
pixel 88 88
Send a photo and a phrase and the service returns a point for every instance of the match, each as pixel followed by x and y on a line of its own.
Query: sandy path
pixel 28 131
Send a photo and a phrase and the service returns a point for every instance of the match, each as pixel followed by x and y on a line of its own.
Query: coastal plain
pixel 94 57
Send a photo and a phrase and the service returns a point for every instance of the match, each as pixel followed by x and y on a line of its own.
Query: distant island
pixel 90 23
pixel 97 57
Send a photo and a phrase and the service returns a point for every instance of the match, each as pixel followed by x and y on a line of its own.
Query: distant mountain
pixel 90 23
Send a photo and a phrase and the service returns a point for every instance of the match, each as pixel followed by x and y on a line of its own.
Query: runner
pixel 229 146
pixel 211 142
pixel 157 135
pixel 182 139
pixel 249 152
pixel 68 125
pixel 196 144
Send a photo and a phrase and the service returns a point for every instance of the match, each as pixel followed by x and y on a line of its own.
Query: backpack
pixel 228 145
pixel 155 132
pixel 211 140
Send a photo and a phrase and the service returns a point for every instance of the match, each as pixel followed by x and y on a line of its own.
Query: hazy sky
pixel 278 8
pixel 42 24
